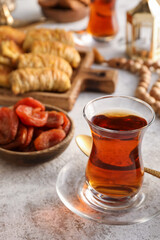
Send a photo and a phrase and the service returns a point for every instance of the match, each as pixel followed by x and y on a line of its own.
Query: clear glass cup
pixel 114 173
pixel 103 24
pixel 110 186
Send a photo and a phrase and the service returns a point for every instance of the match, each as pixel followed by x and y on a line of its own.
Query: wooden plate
pixel 65 15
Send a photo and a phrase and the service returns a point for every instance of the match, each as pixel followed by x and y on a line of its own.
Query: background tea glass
pixel 103 24
pixel 114 173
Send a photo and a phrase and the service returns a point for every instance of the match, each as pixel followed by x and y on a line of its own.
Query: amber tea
pixel 114 168
pixel 103 20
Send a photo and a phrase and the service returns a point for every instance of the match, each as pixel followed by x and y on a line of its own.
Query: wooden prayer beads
pixel 144 70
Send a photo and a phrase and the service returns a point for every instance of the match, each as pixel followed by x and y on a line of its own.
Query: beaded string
pixel 144 69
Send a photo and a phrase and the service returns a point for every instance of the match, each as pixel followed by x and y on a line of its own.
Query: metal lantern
pixel 143 30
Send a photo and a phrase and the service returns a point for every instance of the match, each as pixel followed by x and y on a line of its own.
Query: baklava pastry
pixel 5 61
pixel 69 53
pixel 38 79
pixel 9 49
pixel 39 60
pixel 42 34
pixel 9 33
pixel 4 76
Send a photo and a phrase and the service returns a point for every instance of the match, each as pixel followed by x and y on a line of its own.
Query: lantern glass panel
pixel 158 38
pixel 129 33
pixel 143 37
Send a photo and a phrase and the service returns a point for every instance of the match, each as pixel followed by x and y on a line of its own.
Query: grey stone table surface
pixel 29 205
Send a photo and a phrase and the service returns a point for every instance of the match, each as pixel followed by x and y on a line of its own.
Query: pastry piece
pixel 5 60
pixel 9 33
pixel 31 60
pixel 42 34
pixel 4 76
pixel 69 53
pixel 38 79
pixel 11 50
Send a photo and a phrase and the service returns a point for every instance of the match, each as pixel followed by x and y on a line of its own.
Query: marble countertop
pixel 30 208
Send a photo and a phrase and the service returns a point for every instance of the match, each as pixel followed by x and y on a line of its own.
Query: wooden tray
pixel 83 78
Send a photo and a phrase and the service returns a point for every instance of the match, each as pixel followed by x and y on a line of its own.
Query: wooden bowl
pixel 43 155
pixel 65 15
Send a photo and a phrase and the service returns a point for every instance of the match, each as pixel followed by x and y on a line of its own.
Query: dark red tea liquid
pixel 114 167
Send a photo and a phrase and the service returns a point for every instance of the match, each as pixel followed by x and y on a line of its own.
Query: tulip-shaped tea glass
pixel 114 173
pixel 102 25
pixel 109 187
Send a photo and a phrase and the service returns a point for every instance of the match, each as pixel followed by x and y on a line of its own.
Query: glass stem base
pixel 75 194
pixel 101 202
pixel 103 39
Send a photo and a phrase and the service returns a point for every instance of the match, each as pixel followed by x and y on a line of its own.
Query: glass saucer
pixel 72 191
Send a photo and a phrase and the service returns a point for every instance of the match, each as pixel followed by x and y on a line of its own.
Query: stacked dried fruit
pixel 28 126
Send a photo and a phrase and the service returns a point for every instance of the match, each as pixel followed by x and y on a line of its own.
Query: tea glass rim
pixel 117 131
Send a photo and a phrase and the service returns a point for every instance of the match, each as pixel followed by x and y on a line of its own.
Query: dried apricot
pixel 8 125
pixel 30 131
pixel 49 138
pixel 67 124
pixel 54 120
pixel 31 116
pixel 19 140
pixel 31 102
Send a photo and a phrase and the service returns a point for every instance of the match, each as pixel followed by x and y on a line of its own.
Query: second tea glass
pixel 103 24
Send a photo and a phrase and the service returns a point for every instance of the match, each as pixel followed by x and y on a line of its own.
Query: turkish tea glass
pixel 115 172
pixel 103 24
